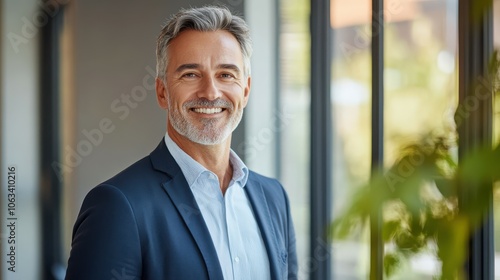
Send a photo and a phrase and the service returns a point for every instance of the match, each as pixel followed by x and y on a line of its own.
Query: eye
pixel 189 75
pixel 227 76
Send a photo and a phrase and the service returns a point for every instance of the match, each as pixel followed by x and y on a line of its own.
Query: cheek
pixel 175 97
pixel 233 91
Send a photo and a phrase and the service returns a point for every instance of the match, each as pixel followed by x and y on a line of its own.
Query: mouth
pixel 208 111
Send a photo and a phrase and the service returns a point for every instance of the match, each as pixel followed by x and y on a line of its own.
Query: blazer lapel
pixel 182 197
pixel 263 217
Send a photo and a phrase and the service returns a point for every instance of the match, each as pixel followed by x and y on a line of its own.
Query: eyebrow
pixel 187 66
pixel 197 66
pixel 229 67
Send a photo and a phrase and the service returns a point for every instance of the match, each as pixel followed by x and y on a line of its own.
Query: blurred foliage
pixel 418 197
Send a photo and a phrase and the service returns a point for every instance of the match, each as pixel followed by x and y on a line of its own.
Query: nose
pixel 209 89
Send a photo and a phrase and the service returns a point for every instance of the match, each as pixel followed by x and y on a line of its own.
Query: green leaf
pixel 391 229
pixel 446 187
pixel 452 242
pixel 407 242
pixel 391 264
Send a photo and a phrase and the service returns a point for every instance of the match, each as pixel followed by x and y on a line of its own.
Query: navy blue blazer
pixel 144 223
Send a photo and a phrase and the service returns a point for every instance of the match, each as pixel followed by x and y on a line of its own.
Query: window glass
pixel 351 125
pixel 420 92
pixel 295 104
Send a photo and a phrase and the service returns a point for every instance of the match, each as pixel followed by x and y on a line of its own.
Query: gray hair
pixel 209 18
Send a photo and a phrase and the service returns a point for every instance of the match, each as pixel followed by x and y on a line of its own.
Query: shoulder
pixel 139 170
pixel 137 184
pixel 259 178
pixel 139 176
pixel 271 187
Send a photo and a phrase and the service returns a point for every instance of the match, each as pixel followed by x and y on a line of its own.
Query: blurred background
pixel 78 105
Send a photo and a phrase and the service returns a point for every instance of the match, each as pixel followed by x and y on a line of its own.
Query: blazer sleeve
pixel 106 242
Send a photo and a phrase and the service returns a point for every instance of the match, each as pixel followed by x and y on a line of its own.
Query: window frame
pixel 51 186
pixel 475 47
pixel 321 137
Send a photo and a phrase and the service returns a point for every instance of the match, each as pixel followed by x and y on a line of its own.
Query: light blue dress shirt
pixel 229 218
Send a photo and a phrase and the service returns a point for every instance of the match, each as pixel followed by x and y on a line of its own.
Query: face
pixel 205 89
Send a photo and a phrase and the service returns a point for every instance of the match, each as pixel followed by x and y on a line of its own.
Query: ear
pixel 246 92
pixel 161 94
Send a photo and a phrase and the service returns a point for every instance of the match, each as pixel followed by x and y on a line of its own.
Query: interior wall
pixel 264 121
pixel 19 90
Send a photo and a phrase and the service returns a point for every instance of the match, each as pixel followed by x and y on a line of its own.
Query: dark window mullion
pixel 321 137
pixel 475 130
pixel 50 184
pixel 377 155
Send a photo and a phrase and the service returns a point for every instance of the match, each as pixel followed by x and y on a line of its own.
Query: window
pixel 420 82
pixel 295 103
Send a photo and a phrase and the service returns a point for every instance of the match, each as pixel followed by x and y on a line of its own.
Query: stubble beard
pixel 210 132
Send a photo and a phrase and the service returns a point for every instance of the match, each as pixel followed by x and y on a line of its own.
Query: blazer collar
pixel 163 161
pixel 181 196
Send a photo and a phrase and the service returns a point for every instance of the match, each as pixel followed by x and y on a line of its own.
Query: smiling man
pixel 191 209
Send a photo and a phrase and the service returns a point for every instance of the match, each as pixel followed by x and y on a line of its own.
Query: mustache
pixel 203 102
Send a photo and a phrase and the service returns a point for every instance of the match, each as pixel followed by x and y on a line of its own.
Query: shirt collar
pixel 193 169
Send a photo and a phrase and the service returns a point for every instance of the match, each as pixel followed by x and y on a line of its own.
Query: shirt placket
pixel 235 243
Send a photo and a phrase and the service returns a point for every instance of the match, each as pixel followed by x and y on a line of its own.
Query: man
pixel 191 209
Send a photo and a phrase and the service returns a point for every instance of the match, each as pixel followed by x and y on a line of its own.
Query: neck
pixel 213 157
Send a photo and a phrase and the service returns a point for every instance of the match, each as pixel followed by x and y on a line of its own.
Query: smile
pixel 207 110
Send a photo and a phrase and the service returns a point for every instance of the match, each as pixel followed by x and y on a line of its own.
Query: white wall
pixel 19 91
pixel 114 64
pixel 263 121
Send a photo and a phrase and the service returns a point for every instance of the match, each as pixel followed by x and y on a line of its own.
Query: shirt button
pixel 237 259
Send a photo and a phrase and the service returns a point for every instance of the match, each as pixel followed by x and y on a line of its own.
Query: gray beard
pixel 209 133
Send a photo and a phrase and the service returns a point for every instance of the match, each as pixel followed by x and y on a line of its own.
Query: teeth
pixel 208 110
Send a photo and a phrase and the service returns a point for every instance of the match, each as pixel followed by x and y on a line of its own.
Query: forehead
pixel 192 46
